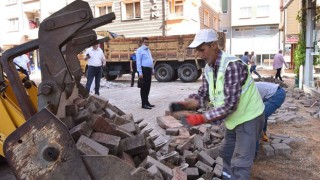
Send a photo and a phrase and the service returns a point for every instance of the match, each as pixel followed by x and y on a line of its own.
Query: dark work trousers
pixel 253 69
pixel 278 74
pixel 145 89
pixel 238 148
pixel 134 71
pixel 94 72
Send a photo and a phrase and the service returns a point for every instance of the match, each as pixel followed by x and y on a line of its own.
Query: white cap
pixel 203 36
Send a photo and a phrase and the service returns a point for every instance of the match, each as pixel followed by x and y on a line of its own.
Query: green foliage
pixel 299 54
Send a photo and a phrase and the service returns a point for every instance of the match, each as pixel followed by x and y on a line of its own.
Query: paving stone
pixel 87 146
pixel 68 121
pixel 184 132
pixel 81 129
pixel 213 152
pixel 287 141
pixel 144 174
pixel 215 128
pixel 203 128
pixel 281 149
pixel 206 138
pixel 138 121
pixel 216 135
pixel 207 176
pixel 110 141
pixel 192 173
pixel 101 125
pixel 219 161
pixel 165 171
pixel 275 141
pixel 194 130
pixel 109 113
pixel 198 142
pixel 80 102
pixel 204 168
pixel 279 136
pixel 103 102
pixel 127 158
pixel 268 150
pixel 130 127
pixel 168 156
pixel 83 115
pixel 112 167
pixel 186 153
pixel 293 108
pixel 178 174
pixel 184 146
pixel 92 107
pixel 116 109
pixel 218 170
pixel 183 166
pixel 168 122
pixel 72 110
pixel 134 145
pixel 155 172
pixel 272 121
pixel 128 117
pixel 192 159
pixel 172 131
pixel 204 157
pixel 121 121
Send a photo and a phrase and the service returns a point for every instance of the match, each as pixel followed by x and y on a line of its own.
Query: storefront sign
pixel 292 38
pixel 154 9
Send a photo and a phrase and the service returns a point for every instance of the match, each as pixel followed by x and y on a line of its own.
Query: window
pixel 13 24
pixel 263 11
pixel 176 7
pixel 245 12
pixel 206 20
pixel 224 6
pixel 225 30
pixel 131 11
pixel 12 2
pixel 103 9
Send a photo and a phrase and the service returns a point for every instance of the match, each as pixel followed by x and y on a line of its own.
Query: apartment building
pixel 252 25
pixel 136 18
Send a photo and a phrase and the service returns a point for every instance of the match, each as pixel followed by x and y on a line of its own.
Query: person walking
pixel 278 62
pixel 253 61
pixel 96 59
pixel 133 66
pixel 145 70
pixel 245 57
pixel 23 64
pixel 231 91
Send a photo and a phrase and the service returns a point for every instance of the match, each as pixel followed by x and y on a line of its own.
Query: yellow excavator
pixel 33 139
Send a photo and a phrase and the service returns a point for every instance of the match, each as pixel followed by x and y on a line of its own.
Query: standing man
pixel 96 59
pixel 133 66
pixel 253 66
pixel 228 86
pixel 278 62
pixel 245 57
pixel 23 64
pixel 145 71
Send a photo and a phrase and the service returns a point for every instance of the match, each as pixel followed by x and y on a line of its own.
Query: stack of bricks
pixel 278 144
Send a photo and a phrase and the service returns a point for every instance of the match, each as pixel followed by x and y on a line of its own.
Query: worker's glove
pixel 177 106
pixel 192 120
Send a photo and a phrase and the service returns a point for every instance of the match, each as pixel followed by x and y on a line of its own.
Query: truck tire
pixel 188 72
pixel 110 77
pixel 175 75
pixel 164 72
pixel 199 74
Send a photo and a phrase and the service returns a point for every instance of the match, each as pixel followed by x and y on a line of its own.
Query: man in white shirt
pixel 95 58
pixel 253 66
pixel 23 64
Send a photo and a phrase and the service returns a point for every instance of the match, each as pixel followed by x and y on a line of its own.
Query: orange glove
pixel 193 120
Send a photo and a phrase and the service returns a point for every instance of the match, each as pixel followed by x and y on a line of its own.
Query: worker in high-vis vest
pixel 230 90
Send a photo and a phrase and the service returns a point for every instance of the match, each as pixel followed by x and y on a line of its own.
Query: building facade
pixel 253 25
pixel 137 18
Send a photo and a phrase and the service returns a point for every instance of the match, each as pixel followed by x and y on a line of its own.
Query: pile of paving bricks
pixel 278 144
pixel 129 149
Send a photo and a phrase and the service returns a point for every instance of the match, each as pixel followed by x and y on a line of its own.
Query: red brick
pixel 110 141
pixel 168 122
pixel 178 174
pixel 81 129
pixel 87 146
pixel 101 125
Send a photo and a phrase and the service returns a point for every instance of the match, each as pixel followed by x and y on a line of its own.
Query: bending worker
pixel 235 100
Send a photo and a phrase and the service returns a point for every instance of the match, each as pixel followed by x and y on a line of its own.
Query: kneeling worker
pixel 229 87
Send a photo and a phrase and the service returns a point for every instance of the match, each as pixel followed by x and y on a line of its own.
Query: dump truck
pixel 172 58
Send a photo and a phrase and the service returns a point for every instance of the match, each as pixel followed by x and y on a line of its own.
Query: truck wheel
pixel 110 77
pixel 199 74
pixel 188 72
pixel 164 72
pixel 175 75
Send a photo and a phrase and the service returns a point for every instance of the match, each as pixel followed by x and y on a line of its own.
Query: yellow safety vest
pixel 250 104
